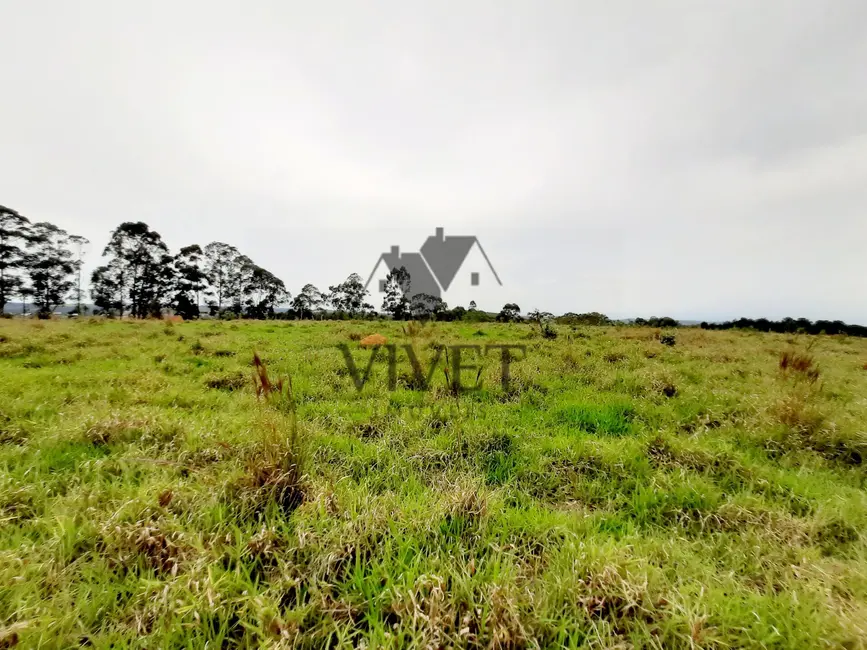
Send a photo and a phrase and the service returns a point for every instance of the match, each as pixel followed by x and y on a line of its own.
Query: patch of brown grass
pixel 782 528
pixel 663 383
pixel 9 635
pixel 800 365
pixel 119 428
pixel 438 618
pixel 614 596
pixel 467 502
pixel 229 381
pixel 373 340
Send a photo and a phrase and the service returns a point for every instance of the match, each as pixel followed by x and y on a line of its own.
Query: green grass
pixel 621 493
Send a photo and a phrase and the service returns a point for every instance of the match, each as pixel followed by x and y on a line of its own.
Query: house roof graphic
pixel 433 269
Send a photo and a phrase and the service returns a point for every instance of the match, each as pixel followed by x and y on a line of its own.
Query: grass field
pixel 621 493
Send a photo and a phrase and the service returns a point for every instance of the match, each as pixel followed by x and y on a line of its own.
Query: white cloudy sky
pixel 696 159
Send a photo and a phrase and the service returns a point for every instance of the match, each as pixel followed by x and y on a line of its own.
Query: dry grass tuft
pixel 799 364
pixel 264 387
pixel 273 475
pixel 506 628
pixel 264 547
pixel 276 478
pixel 425 611
pixel 436 618
pixel 412 329
pixel 165 498
pixel 615 596
pixel 468 502
pixel 274 471
pixel 9 635
pixel 798 412
pixel 145 542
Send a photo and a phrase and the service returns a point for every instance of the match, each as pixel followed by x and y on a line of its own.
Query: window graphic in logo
pixel 454 268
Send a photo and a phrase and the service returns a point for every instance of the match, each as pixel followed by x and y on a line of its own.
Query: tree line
pixel 141 278
pixel 790 326
pixel 38 262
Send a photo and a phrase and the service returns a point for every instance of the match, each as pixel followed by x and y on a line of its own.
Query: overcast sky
pixel 701 160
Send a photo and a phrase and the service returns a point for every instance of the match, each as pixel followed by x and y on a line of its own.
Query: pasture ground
pixel 621 493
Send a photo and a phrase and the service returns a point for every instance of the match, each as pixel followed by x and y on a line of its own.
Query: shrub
pixel 548 332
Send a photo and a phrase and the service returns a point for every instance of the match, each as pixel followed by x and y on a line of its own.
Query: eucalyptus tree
pixel 138 272
pixel 14 235
pixel 49 266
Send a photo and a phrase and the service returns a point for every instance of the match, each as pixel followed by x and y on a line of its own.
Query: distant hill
pixel 15 308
